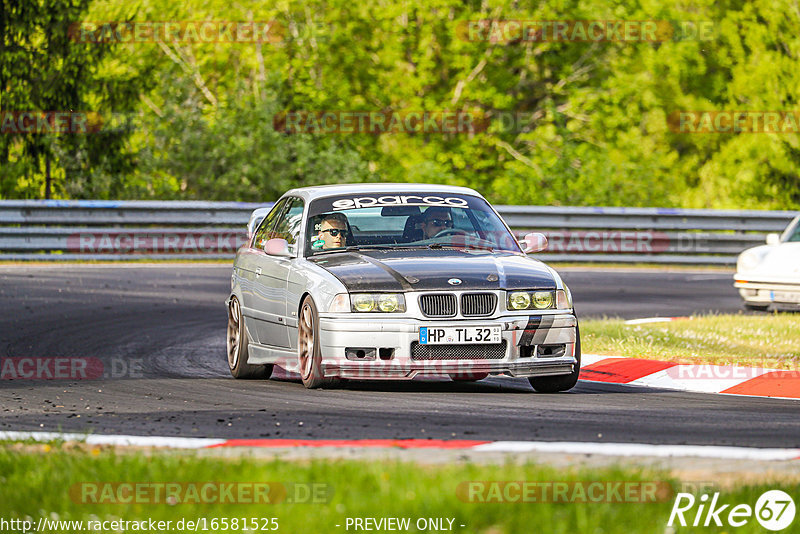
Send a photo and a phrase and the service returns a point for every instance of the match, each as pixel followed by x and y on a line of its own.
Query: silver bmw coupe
pixel 396 281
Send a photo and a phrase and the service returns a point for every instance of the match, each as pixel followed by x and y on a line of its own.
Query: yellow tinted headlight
pixel 388 303
pixel 519 300
pixel 542 300
pixel 378 302
pixel 364 303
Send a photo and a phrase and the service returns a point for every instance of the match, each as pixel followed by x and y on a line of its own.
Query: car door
pixel 271 279
pixel 251 259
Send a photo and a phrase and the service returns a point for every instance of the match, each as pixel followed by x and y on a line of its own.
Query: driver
pixel 434 221
pixel 332 232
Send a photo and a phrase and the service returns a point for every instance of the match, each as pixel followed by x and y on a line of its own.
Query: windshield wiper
pixel 401 246
pixel 476 247
pixel 355 248
pixel 379 246
pixel 458 247
pixel 332 250
pixel 432 246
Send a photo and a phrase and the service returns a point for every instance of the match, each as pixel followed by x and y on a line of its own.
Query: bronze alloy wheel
pixel 237 346
pixel 234 330
pixel 309 352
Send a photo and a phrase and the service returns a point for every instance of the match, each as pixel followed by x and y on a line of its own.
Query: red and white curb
pixel 649 320
pixel 557 447
pixel 700 378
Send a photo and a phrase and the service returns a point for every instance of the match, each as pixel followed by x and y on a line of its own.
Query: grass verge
pixel 51 481
pixel 747 340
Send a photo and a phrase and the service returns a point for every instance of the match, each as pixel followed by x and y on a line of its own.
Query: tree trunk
pixel 47 178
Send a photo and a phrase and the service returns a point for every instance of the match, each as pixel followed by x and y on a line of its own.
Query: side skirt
pixel 265 354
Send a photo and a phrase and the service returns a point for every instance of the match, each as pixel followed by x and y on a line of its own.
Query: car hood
pixel 426 270
pixel 778 261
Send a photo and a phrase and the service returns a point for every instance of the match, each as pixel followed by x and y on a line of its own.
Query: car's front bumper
pixel 524 337
pixel 764 292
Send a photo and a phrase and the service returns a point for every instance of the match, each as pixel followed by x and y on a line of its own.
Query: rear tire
pixel 554 384
pixel 237 346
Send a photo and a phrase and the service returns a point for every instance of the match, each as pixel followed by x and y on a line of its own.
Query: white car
pixel 770 274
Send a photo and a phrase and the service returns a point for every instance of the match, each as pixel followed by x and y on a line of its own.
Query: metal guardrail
pixel 125 230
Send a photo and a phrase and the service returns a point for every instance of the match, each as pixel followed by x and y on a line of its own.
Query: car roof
pixel 320 191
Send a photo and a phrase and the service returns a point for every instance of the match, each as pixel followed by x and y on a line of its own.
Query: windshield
pixel 408 220
pixel 793 234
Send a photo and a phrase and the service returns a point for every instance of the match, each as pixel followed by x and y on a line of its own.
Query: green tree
pixel 43 69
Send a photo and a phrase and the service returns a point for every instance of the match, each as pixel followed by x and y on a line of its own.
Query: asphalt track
pixel 160 329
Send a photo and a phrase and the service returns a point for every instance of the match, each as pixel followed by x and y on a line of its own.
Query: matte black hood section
pixel 427 270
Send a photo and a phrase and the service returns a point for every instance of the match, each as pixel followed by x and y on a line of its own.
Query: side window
pixel 262 234
pixel 288 225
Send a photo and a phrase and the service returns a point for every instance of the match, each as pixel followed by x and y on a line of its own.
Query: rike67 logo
pixel 774 510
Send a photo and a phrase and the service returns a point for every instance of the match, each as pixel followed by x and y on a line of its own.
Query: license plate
pixel 786 296
pixel 459 335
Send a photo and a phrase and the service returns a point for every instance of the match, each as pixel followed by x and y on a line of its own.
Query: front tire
pixel 309 351
pixel 237 346
pixel 756 307
pixel 554 384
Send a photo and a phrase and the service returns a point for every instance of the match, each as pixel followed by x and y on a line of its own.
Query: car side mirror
pixel 533 242
pixel 277 247
pixel 773 239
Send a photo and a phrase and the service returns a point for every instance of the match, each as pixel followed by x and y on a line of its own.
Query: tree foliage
pixel 42 69
pixel 591 118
